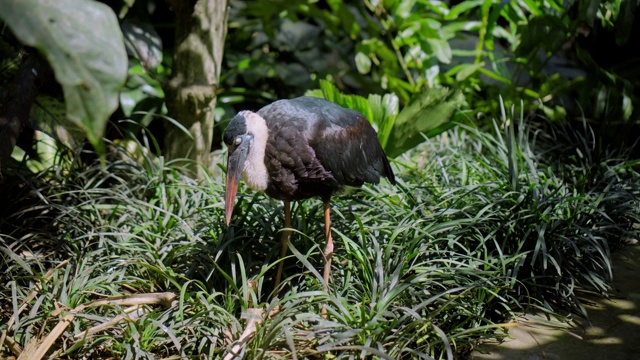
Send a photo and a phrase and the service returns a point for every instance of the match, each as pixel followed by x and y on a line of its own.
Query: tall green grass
pixel 481 224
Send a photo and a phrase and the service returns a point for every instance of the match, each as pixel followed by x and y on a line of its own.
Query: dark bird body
pixel 302 148
pixel 315 147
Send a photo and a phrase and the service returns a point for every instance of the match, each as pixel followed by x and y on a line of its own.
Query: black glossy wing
pixel 343 140
pixel 351 151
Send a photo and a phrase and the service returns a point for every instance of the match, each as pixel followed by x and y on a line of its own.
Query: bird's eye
pixel 237 141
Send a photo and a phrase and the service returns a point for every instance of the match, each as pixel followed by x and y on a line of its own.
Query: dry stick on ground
pixel 133 313
pixel 37 348
pixel 12 345
pixel 7 340
pixel 165 299
pixel 136 301
pixel 254 317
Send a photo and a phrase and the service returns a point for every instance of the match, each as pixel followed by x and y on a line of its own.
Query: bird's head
pixel 239 142
pixel 246 137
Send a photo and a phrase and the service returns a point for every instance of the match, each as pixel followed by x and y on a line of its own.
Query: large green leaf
pixel 385 111
pixel 428 114
pixel 82 41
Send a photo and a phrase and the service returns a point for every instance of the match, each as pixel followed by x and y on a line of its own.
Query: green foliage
pixel 426 268
pixel 547 53
pixel 561 234
pixel 481 224
pixel 429 114
pixel 84 47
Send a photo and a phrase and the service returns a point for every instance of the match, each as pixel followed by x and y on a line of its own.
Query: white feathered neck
pixel 255 171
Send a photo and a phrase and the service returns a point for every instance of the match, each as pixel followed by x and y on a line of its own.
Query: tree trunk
pixel 201 28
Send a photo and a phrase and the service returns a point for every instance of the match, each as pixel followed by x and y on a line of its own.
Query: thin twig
pixel 37 348
pixel 113 322
pixel 13 346
pixel 4 338
pixel 254 317
pixel 165 299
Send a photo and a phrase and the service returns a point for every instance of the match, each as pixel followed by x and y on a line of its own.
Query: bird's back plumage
pixel 315 147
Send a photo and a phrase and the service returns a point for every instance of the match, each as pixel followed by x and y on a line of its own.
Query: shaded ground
pixel 614 332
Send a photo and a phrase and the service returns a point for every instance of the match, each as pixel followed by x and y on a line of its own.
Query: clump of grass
pixel 480 224
pixel 519 203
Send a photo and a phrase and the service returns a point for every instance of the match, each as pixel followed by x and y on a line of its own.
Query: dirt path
pixel 614 332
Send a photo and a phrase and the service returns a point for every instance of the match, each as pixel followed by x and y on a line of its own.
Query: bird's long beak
pixel 235 165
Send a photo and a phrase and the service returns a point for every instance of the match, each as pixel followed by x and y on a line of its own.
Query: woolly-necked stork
pixel 301 148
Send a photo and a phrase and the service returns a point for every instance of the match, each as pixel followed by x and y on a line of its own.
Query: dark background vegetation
pixel 512 127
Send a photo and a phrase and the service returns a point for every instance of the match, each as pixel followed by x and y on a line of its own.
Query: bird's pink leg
pixel 328 250
pixel 286 235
